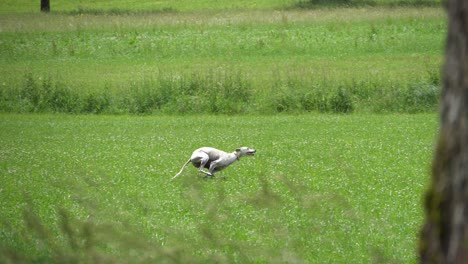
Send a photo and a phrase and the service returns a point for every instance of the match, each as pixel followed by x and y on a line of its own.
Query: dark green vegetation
pixel 321 189
pixel 170 6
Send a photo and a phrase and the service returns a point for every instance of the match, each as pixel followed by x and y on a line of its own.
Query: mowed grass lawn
pixel 321 188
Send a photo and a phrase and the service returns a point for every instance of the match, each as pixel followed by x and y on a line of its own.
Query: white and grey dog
pixel 214 159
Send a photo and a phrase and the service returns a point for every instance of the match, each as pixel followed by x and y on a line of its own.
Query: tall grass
pixel 223 93
pixel 354 3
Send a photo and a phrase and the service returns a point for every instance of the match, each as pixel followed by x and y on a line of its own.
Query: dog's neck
pixel 237 155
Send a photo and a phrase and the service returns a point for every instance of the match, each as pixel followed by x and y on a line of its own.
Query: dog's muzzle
pixel 251 152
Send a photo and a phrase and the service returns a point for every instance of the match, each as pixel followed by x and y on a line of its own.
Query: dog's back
pixel 212 153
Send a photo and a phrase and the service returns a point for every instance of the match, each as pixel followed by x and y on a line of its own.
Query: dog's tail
pixel 181 170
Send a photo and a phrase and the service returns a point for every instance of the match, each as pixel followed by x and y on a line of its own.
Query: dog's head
pixel 245 151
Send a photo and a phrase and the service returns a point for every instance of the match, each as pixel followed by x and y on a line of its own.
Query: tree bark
pixel 45 6
pixel 444 237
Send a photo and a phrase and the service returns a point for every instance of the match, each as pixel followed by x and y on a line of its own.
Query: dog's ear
pixel 238 149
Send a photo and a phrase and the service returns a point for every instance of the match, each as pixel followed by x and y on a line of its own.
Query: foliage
pixel 148 6
pixel 356 3
pixel 221 94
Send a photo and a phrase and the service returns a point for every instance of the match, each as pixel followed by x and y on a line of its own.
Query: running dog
pixel 214 159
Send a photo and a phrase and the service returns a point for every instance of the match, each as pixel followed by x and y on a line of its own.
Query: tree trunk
pixel 45 6
pixel 444 237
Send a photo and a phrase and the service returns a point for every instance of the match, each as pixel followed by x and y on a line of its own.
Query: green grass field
pixel 369 59
pixel 321 189
pixel 161 78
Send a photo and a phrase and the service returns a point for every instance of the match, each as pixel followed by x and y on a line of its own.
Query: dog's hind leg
pixel 201 159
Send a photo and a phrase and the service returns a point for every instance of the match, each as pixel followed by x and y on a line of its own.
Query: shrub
pixel 30 94
pixel 420 98
pixel 341 102
pixel 223 93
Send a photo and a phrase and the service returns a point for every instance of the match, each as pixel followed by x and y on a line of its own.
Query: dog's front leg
pixel 213 166
pixel 200 169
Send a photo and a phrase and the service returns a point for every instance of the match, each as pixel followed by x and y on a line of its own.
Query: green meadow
pixel 321 189
pixel 102 102
pixel 370 59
